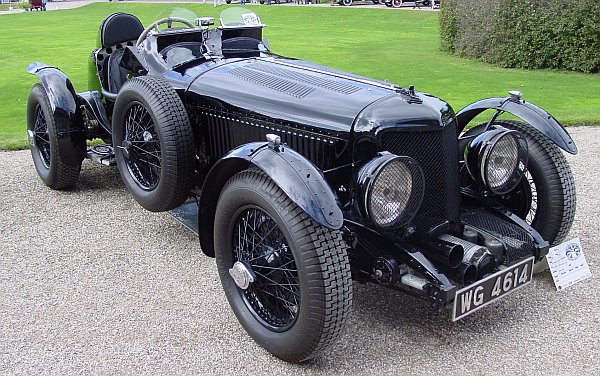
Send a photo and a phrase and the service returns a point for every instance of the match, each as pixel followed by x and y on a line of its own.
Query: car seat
pixel 117 31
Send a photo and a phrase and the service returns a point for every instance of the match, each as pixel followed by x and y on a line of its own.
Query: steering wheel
pixel 154 25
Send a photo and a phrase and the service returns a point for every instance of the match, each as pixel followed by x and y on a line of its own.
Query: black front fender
pixel 301 181
pixel 530 113
pixel 66 111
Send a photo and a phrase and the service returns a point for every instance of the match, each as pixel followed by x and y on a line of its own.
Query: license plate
pixel 473 297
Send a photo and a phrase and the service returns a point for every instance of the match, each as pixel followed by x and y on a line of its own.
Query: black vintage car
pixel 307 178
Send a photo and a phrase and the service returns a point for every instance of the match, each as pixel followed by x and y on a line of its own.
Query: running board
pixel 187 215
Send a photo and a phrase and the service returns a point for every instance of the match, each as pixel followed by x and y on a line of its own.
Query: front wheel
pixel 397 3
pixel 346 2
pixel 286 278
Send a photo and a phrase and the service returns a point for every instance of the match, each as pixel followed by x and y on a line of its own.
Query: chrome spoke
pixel 258 242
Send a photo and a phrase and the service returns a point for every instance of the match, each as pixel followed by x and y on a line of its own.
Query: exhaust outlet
pixel 474 254
pixel 464 273
pixel 440 251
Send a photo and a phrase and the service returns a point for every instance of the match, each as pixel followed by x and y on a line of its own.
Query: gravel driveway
pixel 90 283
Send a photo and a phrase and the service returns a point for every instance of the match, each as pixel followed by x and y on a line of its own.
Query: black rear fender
pixel 294 174
pixel 65 108
pixel 530 113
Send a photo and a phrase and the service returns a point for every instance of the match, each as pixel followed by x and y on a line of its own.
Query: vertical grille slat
pixel 437 154
pixel 227 131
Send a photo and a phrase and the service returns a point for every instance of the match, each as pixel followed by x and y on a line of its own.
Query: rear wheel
pixel 286 277
pixel 346 2
pixel 397 3
pixel 49 154
pixel 154 144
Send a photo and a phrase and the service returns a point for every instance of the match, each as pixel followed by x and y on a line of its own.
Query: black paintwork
pixel 530 113
pixel 67 114
pixel 298 178
pixel 330 122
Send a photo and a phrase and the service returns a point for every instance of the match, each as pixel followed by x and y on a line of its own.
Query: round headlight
pixel 391 190
pixel 497 159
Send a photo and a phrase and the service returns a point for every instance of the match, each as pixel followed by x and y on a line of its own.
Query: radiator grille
pixel 437 153
pixel 517 242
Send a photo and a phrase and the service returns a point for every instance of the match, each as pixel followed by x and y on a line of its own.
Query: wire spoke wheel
pixel 42 138
pixel 57 159
pixel 286 277
pixel 144 156
pixel 274 296
pixel 154 143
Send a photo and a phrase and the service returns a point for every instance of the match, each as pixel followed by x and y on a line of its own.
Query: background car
pixel 37 5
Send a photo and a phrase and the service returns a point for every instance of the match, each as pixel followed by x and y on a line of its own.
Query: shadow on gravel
pixel 97 177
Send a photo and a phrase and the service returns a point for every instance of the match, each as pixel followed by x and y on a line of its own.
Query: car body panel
pixel 530 113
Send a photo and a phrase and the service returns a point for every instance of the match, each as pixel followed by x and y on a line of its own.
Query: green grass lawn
pixel 400 46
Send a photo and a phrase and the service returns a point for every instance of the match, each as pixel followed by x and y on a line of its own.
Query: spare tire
pixel 154 143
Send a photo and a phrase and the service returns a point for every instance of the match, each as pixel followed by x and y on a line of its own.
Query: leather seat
pixel 117 31
pixel 120 28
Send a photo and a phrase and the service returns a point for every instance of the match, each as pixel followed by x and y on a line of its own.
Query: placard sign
pixel 567 264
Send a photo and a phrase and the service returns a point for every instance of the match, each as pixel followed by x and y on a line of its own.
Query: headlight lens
pixel 391 190
pixel 497 159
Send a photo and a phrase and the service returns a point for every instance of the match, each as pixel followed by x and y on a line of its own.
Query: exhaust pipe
pixel 440 251
pixel 464 273
pixel 475 254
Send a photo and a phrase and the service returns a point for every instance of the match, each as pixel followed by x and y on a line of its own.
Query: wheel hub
pixel 242 275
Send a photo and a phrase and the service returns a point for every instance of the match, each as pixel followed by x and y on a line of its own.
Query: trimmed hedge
pixel 530 34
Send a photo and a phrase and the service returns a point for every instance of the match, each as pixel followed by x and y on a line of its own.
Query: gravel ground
pixel 90 283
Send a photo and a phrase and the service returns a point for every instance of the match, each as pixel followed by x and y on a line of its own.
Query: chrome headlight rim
pixel 368 177
pixel 479 159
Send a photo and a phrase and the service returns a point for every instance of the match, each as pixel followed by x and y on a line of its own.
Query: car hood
pixel 292 91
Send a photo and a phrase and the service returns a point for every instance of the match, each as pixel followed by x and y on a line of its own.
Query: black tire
pixel 346 2
pixel 157 161
pixel 397 3
pixel 49 156
pixel 388 4
pixel 551 209
pixel 317 304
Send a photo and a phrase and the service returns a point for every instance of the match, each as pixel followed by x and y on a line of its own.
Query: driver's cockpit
pixel 181 45
pixel 123 41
